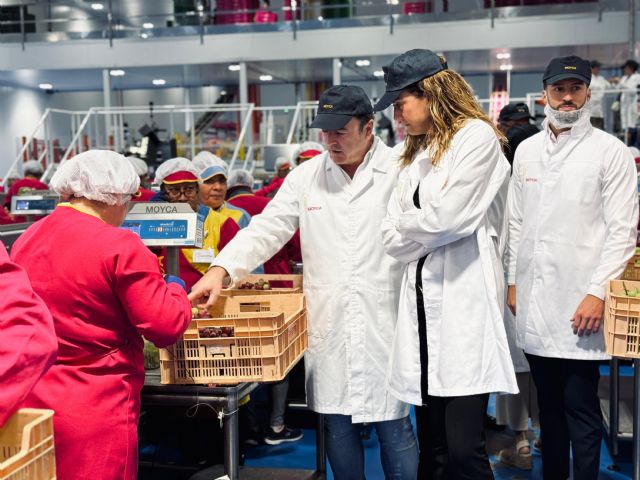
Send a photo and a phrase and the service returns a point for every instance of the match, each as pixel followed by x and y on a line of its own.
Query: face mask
pixel 562 119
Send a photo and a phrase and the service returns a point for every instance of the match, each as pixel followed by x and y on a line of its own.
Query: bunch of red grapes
pixel 216 332
pixel 259 285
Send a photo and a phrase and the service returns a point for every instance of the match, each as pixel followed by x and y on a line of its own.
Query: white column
pixel 337 67
pixel 243 87
pixel 106 95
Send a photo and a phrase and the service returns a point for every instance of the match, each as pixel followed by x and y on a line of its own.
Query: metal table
pixel 224 399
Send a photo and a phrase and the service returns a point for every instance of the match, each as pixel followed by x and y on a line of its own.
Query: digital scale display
pixel 31 205
pixel 158 229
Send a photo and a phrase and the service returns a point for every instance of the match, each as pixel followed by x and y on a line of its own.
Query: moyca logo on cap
pixel 327 106
pixel 570 67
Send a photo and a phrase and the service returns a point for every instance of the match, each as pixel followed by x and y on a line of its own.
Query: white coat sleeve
pixel 620 205
pixel 399 247
pixel 266 234
pixel 457 209
pixel 514 220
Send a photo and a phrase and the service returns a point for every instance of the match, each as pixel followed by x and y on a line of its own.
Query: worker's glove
pixel 174 279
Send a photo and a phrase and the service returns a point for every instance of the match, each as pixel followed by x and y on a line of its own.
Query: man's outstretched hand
pixel 207 290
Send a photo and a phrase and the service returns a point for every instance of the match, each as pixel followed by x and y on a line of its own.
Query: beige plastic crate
pixel 622 320
pixel 26 446
pixel 269 337
pixel 632 270
pixel 296 281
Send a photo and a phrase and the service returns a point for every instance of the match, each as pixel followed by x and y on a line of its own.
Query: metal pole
pixel 337 67
pixel 493 12
pixel 23 33
pixel 614 397
pixel 106 95
pixel 632 30
pixel 193 135
pixel 231 446
pixel 110 20
pixel 243 89
pixel 173 261
pixel 636 419
pixel 321 455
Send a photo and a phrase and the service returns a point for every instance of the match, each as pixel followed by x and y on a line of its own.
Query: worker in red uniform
pixel 306 151
pixel 283 167
pixel 265 15
pixel 178 179
pixel 142 169
pixel 28 344
pixel 239 194
pixel 105 291
pixel 32 172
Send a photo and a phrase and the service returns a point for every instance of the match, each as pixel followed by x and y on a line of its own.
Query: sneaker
pixel 285 435
pixel 514 457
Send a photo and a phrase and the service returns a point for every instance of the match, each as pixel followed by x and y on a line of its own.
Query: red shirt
pixel 28 343
pixel 270 189
pixel 104 290
pixel 24 183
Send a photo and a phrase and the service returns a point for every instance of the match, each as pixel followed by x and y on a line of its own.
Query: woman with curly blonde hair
pixel 445 222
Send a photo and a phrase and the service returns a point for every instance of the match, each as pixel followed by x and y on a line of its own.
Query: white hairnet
pixel 205 159
pixel 634 151
pixel 304 146
pixel 33 167
pixel 173 165
pixel 100 175
pixel 240 177
pixel 139 165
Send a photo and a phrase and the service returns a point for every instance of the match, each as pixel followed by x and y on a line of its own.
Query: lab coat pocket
pixel 321 303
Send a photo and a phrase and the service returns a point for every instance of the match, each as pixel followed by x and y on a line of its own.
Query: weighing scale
pixel 169 225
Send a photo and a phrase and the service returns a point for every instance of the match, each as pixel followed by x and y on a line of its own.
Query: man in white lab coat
pixel 573 210
pixel 338 200
pixel 628 84
pixel 597 86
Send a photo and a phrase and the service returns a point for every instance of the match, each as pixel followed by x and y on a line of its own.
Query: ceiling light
pixel 503 56
pixel 45 86
pixel 159 81
pixel 363 63
pixel 147 25
pixel 378 73
pixel 144 35
pixel 234 68
pixel 97 6
pixel 116 73
pixel 223 92
pixel 320 18
pixel 506 67
pixel 266 78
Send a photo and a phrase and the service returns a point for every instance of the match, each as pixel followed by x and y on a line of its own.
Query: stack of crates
pixel 248 338
pixel 26 446
pixel 622 319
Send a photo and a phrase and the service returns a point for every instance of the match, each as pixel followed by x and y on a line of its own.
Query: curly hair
pixel 450 103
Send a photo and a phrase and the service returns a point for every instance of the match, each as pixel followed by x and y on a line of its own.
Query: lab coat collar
pixel 379 162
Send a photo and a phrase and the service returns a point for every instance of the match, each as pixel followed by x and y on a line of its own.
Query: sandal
pixel 515 458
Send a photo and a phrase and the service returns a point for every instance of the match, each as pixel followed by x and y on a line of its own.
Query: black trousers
pixel 569 416
pixel 451 438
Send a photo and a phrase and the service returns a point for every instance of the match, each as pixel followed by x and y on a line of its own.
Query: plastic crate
pixel 622 319
pixel 632 270
pixel 269 337
pixel 295 280
pixel 26 446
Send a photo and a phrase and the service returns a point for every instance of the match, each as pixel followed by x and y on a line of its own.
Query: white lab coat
pixel 598 85
pixel 459 224
pixel 629 100
pixel 350 284
pixel 573 213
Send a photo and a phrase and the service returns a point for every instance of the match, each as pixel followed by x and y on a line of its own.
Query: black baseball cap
pixel 514 111
pixel 562 68
pixel 339 104
pixel 407 69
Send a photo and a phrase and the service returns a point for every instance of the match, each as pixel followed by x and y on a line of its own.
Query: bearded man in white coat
pixel 338 199
pixel 573 211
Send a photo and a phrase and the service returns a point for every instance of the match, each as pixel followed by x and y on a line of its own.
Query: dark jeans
pixel 398 448
pixel 569 416
pixel 452 439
